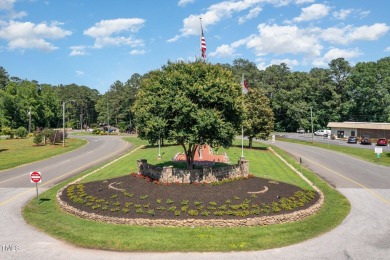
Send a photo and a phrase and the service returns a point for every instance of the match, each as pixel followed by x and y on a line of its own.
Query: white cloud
pixel 342 14
pixel 106 28
pixel 6 4
pixel 363 14
pixel 8 7
pixel 27 35
pixel 117 41
pixel 78 51
pixel 103 31
pixel 213 15
pixel 225 9
pixel 350 34
pixel 261 65
pixel 313 12
pixel 223 51
pixel 387 49
pixel 185 2
pixel 298 2
pixel 79 73
pixel 253 13
pixel 137 52
pixel 334 54
pixel 285 39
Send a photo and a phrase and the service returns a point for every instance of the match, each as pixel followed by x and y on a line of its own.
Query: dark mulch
pixel 181 201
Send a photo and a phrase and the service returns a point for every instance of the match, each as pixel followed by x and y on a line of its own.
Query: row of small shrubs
pixel 20 132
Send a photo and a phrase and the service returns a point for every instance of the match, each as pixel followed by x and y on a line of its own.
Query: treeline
pixel 340 92
pixel 25 103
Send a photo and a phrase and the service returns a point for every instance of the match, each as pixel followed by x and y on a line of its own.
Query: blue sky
pixel 96 42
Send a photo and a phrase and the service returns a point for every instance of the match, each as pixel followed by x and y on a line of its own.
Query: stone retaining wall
pixel 207 174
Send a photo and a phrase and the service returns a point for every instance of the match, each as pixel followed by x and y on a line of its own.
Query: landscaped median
pixel 49 217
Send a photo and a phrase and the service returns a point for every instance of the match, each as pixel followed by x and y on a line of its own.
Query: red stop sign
pixel 35 177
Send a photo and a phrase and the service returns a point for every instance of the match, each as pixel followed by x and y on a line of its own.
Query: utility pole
pixel 63 121
pixel 311 119
pixel 29 121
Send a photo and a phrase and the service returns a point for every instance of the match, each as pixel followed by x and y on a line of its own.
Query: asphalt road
pixel 364 234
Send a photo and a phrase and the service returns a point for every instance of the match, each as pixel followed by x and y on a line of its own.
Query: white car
pixel 322 132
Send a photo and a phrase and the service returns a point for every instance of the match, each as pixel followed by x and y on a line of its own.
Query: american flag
pixel 245 88
pixel 203 44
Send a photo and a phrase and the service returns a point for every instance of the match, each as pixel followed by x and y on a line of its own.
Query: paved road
pixel 364 234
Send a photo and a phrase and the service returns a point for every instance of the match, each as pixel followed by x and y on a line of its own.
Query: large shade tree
pixel 190 104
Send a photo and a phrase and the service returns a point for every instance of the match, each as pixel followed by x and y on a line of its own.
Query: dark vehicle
pixel 365 140
pixel 382 142
pixel 352 140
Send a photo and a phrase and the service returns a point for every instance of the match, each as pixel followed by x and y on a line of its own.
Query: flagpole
pixel 242 126
pixel 242 141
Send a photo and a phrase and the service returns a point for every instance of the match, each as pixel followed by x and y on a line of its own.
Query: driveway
pixel 364 234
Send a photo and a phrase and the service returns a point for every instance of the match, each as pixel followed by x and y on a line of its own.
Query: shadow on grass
pixel 42 200
pixel 156 145
pixel 3 150
pixel 260 148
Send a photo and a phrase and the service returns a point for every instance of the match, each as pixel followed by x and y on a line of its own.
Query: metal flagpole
pixel 242 141
pixel 242 126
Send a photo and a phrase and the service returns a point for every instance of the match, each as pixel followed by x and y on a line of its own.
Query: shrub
pixel 38 138
pixel 21 132
pixel 8 131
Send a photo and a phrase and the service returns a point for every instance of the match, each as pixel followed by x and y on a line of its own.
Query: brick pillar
pixel 167 174
pixel 141 165
pixel 244 167
pixel 208 174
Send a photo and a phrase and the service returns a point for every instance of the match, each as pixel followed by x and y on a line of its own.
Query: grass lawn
pixel 49 218
pixel 361 153
pixel 16 152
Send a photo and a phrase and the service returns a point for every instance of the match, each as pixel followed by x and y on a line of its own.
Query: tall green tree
pixel 368 89
pixel 258 116
pixel 190 104
pixel 4 78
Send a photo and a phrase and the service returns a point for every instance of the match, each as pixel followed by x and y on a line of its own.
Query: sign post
pixel 378 151
pixel 35 177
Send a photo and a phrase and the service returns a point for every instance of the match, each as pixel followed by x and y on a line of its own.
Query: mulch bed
pixel 136 197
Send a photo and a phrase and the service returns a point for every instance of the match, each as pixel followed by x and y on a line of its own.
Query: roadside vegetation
pixel 363 154
pixel 16 152
pixel 46 216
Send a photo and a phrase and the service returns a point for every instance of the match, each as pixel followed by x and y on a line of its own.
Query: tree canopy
pixel 340 92
pixel 190 104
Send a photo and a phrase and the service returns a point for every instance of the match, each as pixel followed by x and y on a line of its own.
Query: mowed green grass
pixel 352 150
pixel 16 152
pixel 47 216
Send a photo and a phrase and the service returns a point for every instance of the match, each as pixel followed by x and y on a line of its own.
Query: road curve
pixel 364 234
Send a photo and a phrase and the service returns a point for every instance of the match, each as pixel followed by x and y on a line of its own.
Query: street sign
pixel 35 177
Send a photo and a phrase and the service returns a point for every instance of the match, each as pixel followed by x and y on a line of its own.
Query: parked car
pixel 365 140
pixel 300 131
pixel 382 142
pixel 322 132
pixel 352 140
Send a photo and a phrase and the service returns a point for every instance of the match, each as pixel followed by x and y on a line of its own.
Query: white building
pixel 358 129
